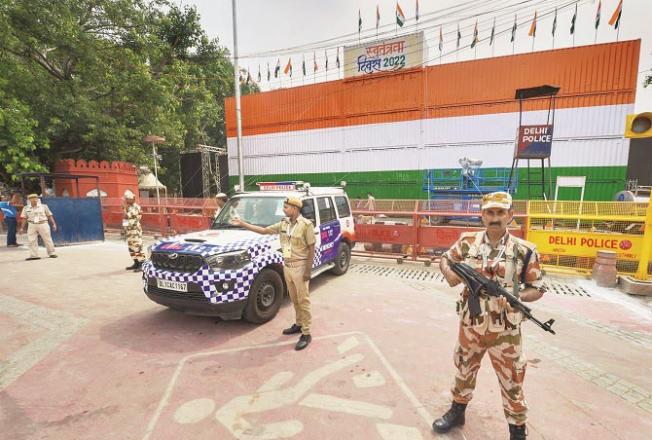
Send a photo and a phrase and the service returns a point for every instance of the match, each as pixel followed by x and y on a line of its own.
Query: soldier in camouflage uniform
pixel 514 263
pixel 131 223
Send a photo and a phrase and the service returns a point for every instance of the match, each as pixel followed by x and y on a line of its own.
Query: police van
pixel 233 273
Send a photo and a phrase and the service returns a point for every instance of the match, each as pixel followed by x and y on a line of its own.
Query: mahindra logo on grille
pixel 173 256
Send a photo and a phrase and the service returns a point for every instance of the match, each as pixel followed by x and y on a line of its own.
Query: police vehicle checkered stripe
pixel 259 250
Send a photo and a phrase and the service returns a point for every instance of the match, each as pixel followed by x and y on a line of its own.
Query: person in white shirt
pixel 37 216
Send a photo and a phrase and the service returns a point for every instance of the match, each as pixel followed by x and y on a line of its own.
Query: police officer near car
pixel 37 216
pixel 297 235
pixel 514 263
pixel 131 222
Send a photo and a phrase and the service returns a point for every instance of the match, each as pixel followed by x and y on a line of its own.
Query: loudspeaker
pixel 639 125
pixel 191 175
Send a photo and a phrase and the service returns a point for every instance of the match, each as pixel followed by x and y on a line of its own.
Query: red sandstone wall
pixel 115 177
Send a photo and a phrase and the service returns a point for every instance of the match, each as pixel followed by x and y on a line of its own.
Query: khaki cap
pixel 129 195
pixel 294 201
pixel 498 199
pixel 221 196
pixel 32 196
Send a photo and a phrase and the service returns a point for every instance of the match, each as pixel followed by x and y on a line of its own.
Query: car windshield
pixel 260 211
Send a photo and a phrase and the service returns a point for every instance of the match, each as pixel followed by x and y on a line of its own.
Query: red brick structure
pixel 115 177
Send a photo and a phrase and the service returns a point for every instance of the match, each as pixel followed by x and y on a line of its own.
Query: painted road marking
pixel 271 410
pixel 347 406
pixel 367 380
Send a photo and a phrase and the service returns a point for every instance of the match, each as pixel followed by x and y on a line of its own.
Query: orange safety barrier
pixel 419 229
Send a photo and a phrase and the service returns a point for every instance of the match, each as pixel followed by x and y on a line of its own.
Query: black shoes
pixel 517 432
pixel 53 256
pixel 304 340
pixel 32 258
pixel 138 265
pixel 294 329
pixel 454 417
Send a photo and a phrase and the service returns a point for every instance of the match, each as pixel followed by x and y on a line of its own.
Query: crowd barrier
pixel 567 234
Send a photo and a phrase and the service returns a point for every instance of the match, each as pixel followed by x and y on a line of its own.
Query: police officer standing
pixel 514 263
pixel 297 236
pixel 220 199
pixel 37 216
pixel 131 222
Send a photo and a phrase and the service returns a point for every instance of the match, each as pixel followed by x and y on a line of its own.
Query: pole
pixel 238 112
pixel 158 197
pixel 641 273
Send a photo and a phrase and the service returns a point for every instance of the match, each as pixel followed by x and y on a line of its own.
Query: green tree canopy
pixel 89 78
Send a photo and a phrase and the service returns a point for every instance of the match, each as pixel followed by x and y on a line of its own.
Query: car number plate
pixel 172 285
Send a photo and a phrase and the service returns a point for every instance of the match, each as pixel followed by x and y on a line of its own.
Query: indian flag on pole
pixel 475 35
pixel 615 17
pixel 400 16
pixel 597 14
pixel 288 68
pixel 533 26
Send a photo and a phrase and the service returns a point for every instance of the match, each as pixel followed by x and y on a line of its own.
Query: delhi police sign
pixel 534 141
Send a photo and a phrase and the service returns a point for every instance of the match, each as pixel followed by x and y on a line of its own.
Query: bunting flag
pixel 377 17
pixel 259 77
pixel 326 56
pixel 533 26
pixel 400 16
pixel 572 28
pixel 615 17
pixel 597 14
pixel 269 74
pixel 277 69
pixel 416 10
pixel 493 33
pixel 513 30
pixel 288 68
pixel 441 39
pixel 554 23
pixel 359 22
pixel 459 35
pixel 475 35
pixel 315 67
pixel 337 58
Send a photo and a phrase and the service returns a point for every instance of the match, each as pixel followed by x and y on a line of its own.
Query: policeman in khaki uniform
pixel 297 236
pixel 514 263
pixel 131 222
pixel 37 215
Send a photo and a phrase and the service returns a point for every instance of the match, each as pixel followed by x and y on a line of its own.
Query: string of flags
pixel 401 20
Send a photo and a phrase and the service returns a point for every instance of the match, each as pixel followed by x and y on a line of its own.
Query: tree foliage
pixel 89 78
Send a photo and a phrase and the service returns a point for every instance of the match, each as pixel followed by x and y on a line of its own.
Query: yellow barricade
pixel 568 234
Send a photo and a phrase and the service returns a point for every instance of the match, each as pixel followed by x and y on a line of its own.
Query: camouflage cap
pixel 498 199
pixel 294 201
pixel 129 195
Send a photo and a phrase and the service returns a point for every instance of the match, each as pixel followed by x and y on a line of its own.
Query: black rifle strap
pixel 526 263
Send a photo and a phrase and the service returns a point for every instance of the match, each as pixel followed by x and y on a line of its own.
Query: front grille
pixel 194 293
pixel 182 262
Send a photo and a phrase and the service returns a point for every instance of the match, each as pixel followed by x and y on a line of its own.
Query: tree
pixel 90 78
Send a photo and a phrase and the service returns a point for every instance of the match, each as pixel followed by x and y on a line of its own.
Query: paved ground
pixel 85 355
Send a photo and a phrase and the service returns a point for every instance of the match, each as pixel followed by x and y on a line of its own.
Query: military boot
pixel 138 266
pixel 133 266
pixel 454 417
pixel 517 432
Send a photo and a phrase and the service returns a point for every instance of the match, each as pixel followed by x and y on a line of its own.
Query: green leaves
pixel 89 78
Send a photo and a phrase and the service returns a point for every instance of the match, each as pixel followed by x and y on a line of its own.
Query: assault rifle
pixel 478 283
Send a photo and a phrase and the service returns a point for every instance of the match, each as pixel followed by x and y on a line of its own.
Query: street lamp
pixel 152 139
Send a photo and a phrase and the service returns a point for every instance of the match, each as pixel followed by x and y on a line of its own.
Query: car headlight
pixel 229 260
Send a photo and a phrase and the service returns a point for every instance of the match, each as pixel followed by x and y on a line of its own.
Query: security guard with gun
pixel 514 264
